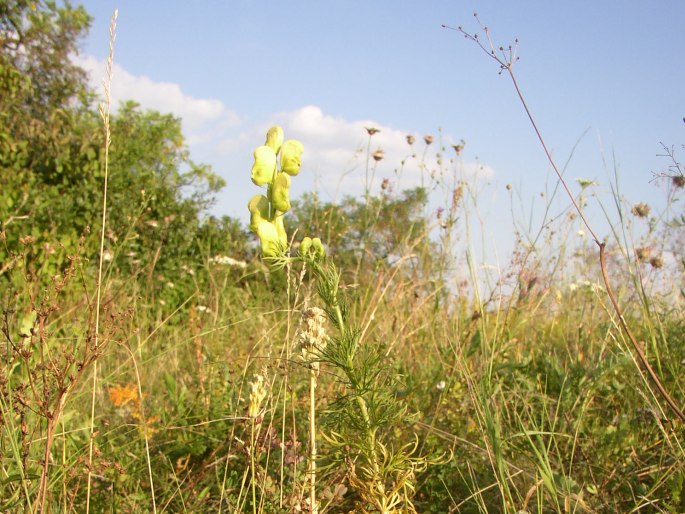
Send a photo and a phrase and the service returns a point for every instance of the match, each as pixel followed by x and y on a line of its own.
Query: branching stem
pixel 506 59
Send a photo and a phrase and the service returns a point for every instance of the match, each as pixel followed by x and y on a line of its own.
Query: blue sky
pixel 609 73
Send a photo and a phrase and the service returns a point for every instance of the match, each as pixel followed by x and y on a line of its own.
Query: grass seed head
pixel 258 392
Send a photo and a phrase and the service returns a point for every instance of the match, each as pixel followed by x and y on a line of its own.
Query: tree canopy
pixel 51 155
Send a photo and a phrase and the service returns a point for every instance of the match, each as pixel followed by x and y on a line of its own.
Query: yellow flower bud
pixel 264 165
pixel 274 138
pixel 270 237
pixel 271 234
pixel 305 245
pixel 317 248
pixel 280 192
pixel 311 249
pixel 291 152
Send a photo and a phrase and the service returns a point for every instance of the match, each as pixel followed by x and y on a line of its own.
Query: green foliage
pixel 48 135
pixel 160 196
pixel 363 422
pixel 51 174
pixel 370 235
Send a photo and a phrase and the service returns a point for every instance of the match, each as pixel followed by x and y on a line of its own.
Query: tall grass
pixel 104 110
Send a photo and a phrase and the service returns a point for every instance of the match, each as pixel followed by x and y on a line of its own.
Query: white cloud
pixel 335 158
pixel 336 151
pixel 201 117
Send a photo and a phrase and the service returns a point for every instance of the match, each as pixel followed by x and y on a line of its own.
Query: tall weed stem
pixel 505 58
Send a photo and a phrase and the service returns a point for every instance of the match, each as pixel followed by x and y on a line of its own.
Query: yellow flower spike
pixel 280 192
pixel 291 151
pixel 274 138
pixel 266 211
pixel 259 211
pixel 264 165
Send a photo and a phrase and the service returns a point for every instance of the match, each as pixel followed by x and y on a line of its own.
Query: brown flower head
pixel 641 210
pixel 378 155
pixel 410 139
pixel 372 130
pixel 642 253
pixel 428 139
pixel 656 262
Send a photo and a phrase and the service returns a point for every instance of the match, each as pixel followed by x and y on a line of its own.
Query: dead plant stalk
pixel 506 57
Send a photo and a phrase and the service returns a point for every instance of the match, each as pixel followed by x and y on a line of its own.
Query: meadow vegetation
pixel 361 361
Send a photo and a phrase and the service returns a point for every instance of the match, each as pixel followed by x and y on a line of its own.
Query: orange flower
pixel 121 395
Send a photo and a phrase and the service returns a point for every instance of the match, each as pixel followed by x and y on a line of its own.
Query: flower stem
pixel 312 441
pixel 252 469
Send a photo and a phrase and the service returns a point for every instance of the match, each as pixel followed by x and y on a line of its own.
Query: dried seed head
pixel 410 139
pixel 641 210
pixel 678 181
pixel 428 139
pixel 372 130
pixel 642 253
pixel 656 262
pixel 456 196
pixel 378 155
pixel 585 183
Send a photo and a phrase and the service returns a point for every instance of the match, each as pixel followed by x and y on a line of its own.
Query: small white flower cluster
pixel 312 338
pixel 585 285
pixel 224 260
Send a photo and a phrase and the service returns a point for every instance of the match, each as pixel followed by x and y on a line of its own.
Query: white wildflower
pixel 224 260
pixel 312 336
